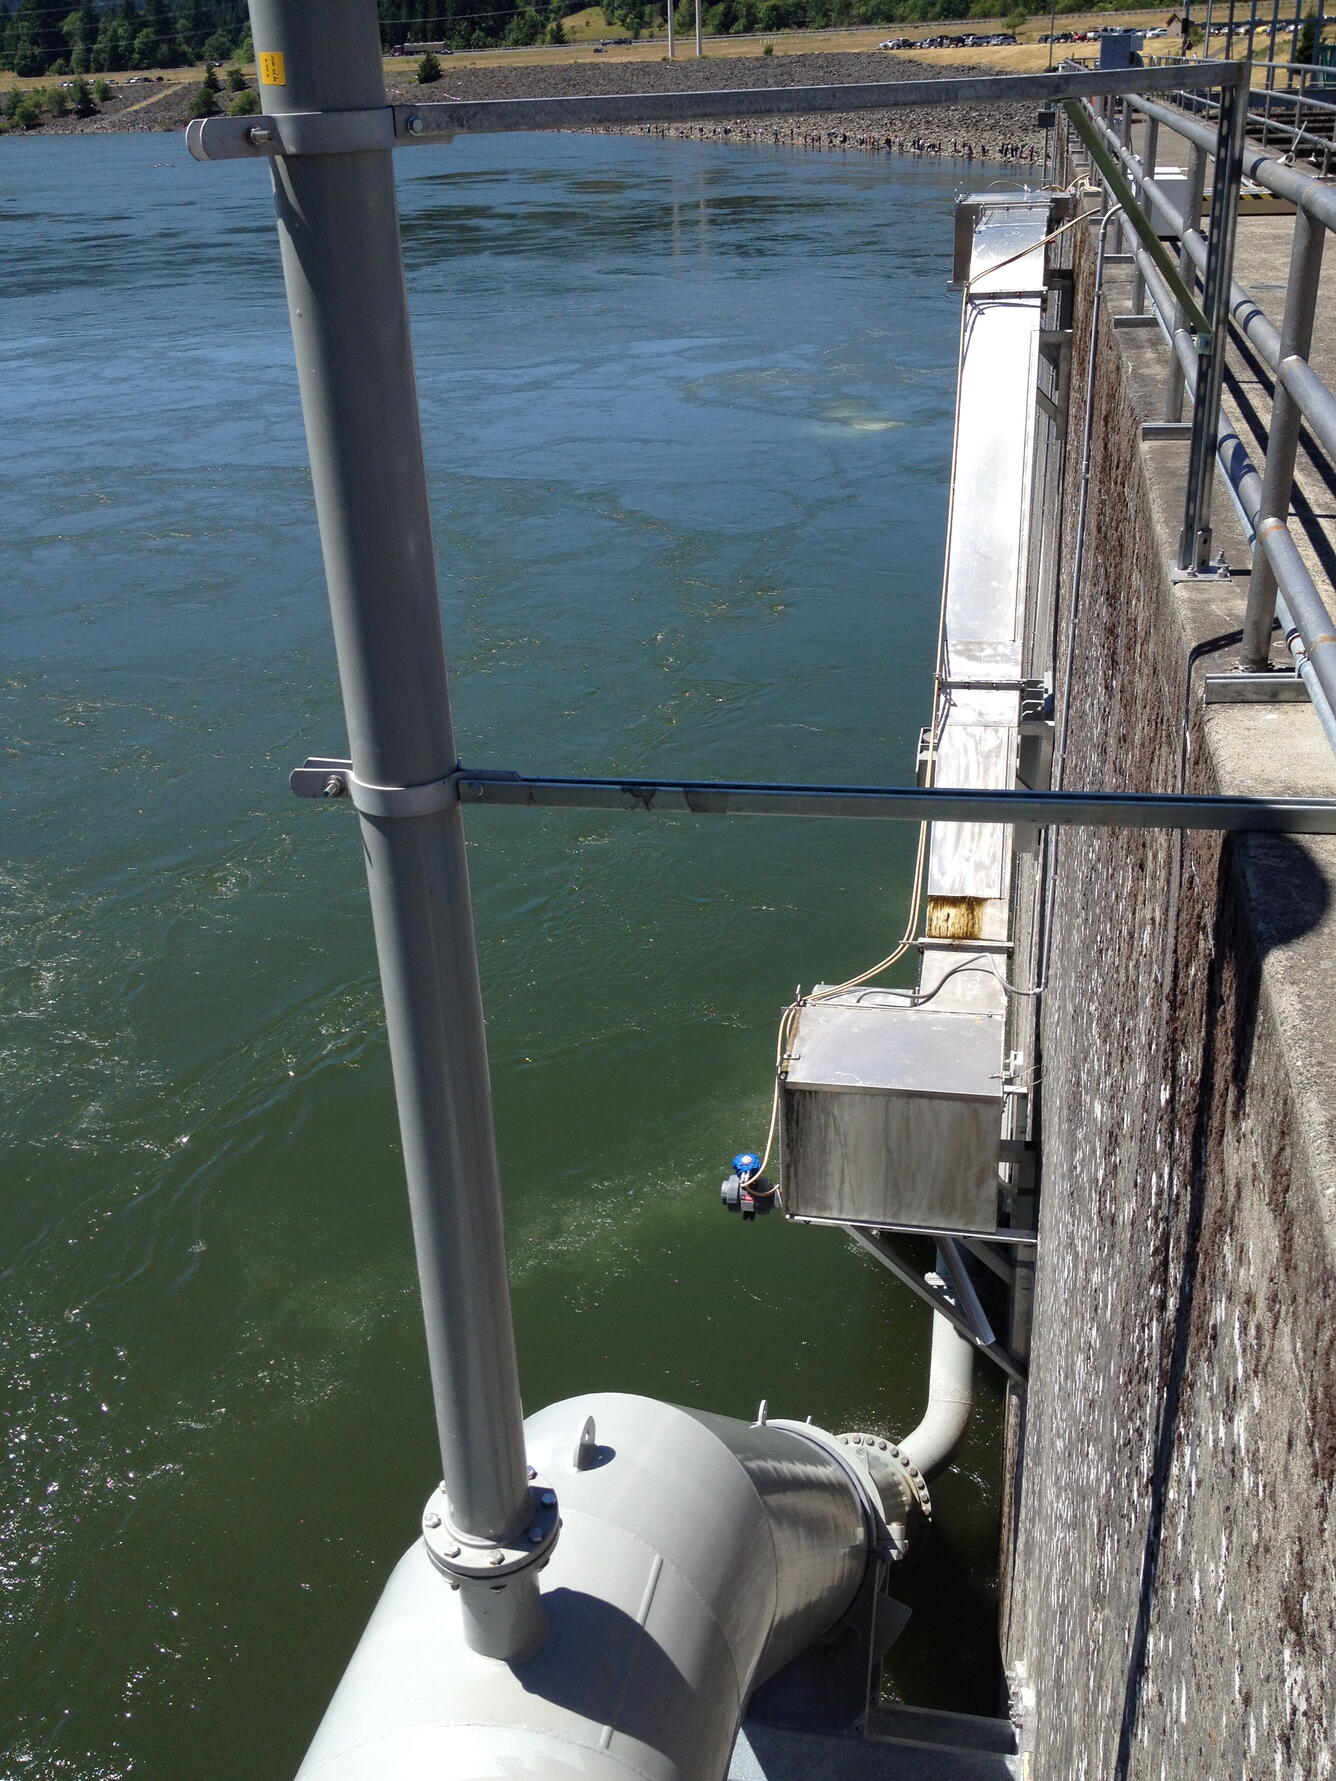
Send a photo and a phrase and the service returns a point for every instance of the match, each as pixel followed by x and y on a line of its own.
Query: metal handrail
pixel 1300 394
pixel 1298 136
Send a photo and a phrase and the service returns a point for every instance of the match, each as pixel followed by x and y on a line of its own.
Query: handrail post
pixel 1296 339
pixel 343 266
pixel 1149 150
pixel 1192 203
pixel 1194 550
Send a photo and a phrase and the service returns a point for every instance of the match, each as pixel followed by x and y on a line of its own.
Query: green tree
pixel 211 82
pixel 245 104
pixel 1305 41
pixel 555 33
pixel 1017 20
pixel 27 115
pixel 525 28
pixel 113 46
pixel 428 70
pixel 218 47
pixel 101 91
pixel 81 98
pixel 236 80
pixel 146 51
pixel 38 38
pixel 203 104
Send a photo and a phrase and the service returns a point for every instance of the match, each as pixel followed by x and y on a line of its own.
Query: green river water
pixel 687 415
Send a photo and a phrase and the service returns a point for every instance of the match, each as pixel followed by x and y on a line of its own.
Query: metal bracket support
pixel 324 776
pixel 1213 572
pixel 1133 321
pixel 1166 429
pixel 1282 687
pixel 292 133
pixel 981 1335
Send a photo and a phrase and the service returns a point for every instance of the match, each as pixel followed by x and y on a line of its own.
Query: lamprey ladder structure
pixel 618 1587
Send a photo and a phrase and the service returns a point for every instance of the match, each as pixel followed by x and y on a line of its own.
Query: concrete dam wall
pixel 1171 1579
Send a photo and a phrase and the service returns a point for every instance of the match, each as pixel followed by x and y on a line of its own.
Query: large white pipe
pixel 950 1401
pixel 697 1556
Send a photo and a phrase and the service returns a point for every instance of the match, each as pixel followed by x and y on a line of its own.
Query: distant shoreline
pixel 997 133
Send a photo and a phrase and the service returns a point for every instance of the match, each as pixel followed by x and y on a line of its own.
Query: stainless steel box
pixel 892 1115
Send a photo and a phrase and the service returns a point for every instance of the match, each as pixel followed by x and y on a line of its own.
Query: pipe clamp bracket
pixel 326 776
pixel 290 133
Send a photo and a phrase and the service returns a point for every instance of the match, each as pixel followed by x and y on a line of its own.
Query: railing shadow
pixel 1229 1025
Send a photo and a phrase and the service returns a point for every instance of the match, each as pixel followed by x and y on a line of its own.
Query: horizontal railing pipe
pixel 618 108
pixel 1300 394
pixel 1306 190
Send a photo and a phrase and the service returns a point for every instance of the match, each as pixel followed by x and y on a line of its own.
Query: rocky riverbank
pixel 989 133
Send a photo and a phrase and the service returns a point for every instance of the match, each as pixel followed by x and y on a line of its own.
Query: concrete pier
pixel 1170 1577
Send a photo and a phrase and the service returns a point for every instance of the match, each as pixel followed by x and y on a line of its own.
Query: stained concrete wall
pixel 1172 1611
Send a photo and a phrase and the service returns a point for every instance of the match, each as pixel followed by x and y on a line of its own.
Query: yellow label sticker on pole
pixel 272 71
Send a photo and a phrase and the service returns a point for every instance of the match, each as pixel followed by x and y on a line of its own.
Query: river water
pixel 687 413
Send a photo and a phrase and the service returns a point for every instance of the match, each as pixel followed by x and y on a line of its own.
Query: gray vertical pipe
pixel 1195 543
pixel 1296 338
pixel 672 30
pixel 699 51
pixel 338 228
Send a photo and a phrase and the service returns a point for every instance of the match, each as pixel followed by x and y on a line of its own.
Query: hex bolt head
pixel 532 1474
pixel 452 1552
pixel 547 1498
pixel 334 786
pixel 535 1534
pixel 431 1519
pixel 496 1558
pixel 415 126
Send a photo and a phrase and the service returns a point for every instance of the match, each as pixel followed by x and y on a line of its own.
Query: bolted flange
pixel 465 1560
pixel 900 1486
